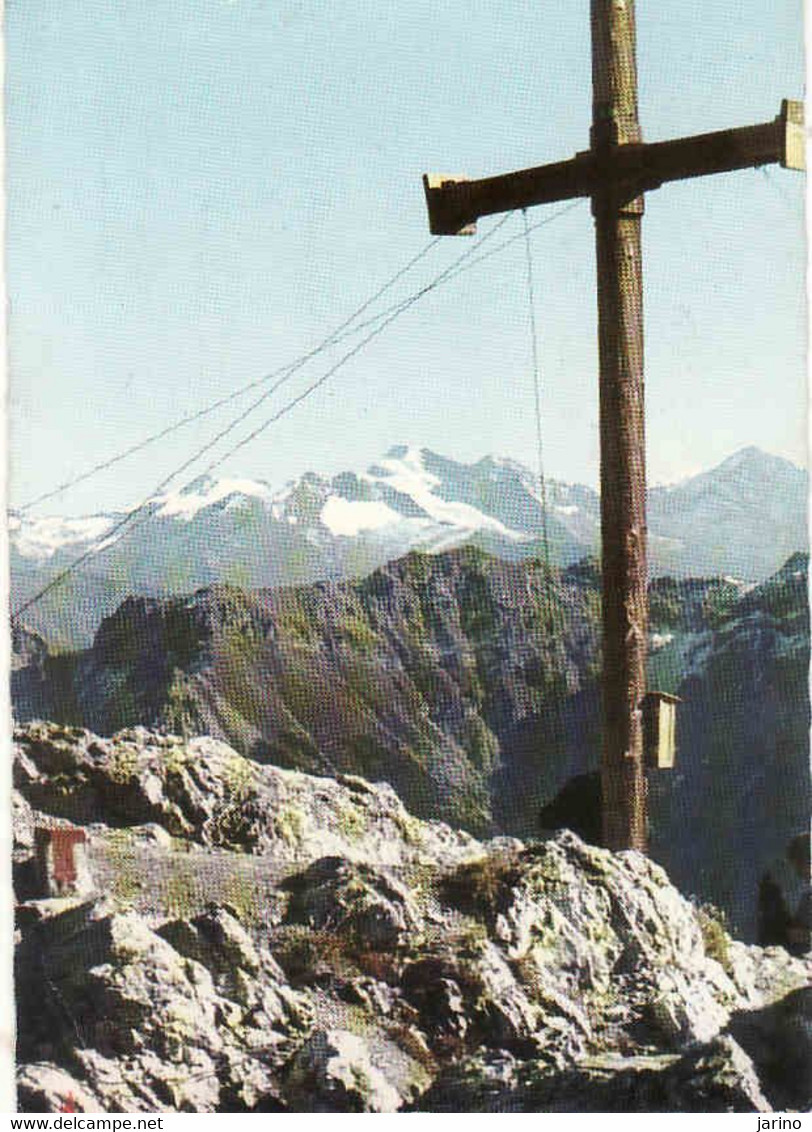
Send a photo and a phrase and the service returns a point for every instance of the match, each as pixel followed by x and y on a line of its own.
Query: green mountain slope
pixel 471 685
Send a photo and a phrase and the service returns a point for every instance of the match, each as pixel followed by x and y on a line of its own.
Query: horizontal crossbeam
pixel 455 204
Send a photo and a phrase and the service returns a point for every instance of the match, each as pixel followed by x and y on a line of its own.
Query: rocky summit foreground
pixel 245 938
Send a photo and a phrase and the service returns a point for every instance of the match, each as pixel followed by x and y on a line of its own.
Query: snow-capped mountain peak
pixel 741 519
pixel 207 492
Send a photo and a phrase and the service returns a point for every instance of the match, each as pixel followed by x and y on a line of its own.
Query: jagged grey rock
pixel 44 1087
pixel 152 1028
pixel 718 1077
pixel 344 897
pixel 22 819
pixel 346 956
pixel 202 791
pixel 333 1072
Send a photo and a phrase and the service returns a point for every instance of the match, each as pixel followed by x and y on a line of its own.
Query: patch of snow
pixel 42 538
pixel 660 640
pixel 186 504
pixel 742 586
pixel 567 509
pixel 350 517
pixel 407 475
pixel 405 472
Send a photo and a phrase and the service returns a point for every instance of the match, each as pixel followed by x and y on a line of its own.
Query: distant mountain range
pixel 742 519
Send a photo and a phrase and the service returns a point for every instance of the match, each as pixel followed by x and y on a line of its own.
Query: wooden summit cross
pixel 615 172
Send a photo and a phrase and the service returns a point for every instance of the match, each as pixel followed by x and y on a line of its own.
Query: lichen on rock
pixel 396 965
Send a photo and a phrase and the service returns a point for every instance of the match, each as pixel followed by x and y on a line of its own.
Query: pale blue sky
pixel 199 189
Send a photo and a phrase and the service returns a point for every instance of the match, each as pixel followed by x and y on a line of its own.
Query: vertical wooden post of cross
pixel 618 212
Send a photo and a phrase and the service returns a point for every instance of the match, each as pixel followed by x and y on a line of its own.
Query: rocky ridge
pixel 471 686
pixel 339 954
